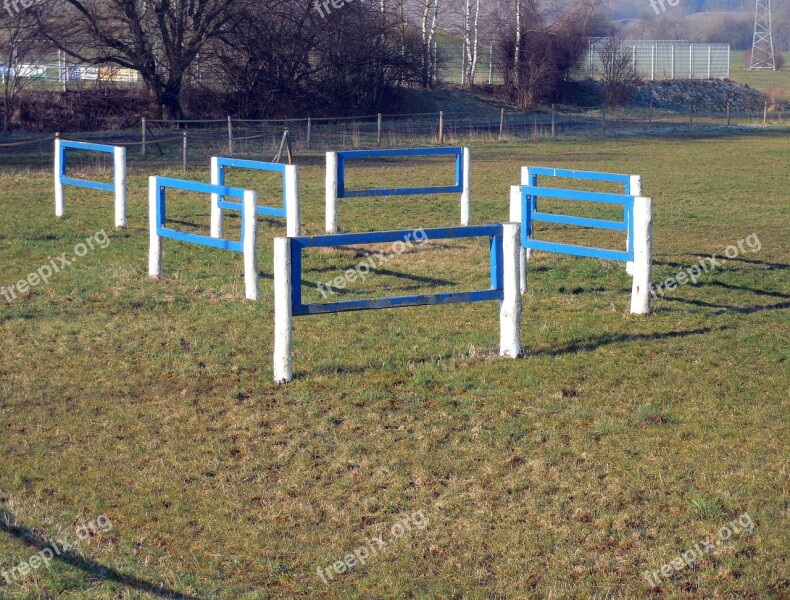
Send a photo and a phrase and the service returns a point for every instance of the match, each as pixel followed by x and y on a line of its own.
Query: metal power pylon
pixel 763 46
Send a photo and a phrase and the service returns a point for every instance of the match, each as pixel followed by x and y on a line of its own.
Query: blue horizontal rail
pixel 560 194
pixel 579 221
pixel 585 175
pixel 382 237
pixel 345 155
pixel 580 250
pixel 255 165
pixel 95 185
pixel 363 154
pixel 201 240
pixel 199 187
pixel 398 302
pixel 87 146
pixel 164 183
pixel 298 244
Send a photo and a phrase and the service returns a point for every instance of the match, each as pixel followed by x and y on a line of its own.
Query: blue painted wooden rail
pixel 66 180
pixel 223 163
pixel 298 244
pixel 530 214
pixel 347 155
pixel 163 183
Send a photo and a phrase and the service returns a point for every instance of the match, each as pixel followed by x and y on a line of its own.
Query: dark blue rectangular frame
pixel 298 244
pixel 343 156
pixel 164 183
pixel 94 185
pixel 257 166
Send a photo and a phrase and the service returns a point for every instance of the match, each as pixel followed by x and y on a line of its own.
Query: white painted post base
pixel 643 256
pixel 60 199
pixel 250 215
pixel 283 312
pixel 510 306
pixel 119 179
pixel 466 195
pixel 635 190
pixel 331 192
pixel 155 241
pixel 516 217
pixel 217 214
pixel 292 202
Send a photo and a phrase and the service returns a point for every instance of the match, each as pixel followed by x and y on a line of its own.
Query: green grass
pixel 775 83
pixel 616 444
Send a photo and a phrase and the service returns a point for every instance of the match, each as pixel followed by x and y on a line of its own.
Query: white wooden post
pixel 155 242
pixel 526 179
pixel 217 214
pixel 250 245
pixel 293 208
pixel 60 200
pixel 119 179
pixel 635 190
pixel 643 255
pixel 516 217
pixel 466 173
pixel 283 311
pixel 331 192
pixel 510 306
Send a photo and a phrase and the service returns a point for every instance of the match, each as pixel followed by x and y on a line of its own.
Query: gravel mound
pixel 708 96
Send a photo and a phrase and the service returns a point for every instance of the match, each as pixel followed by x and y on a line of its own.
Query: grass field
pixel 774 83
pixel 617 444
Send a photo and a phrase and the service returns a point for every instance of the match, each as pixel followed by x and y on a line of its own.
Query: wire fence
pixel 190 143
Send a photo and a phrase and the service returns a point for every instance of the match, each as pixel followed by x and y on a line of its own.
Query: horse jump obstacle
pixel 290 209
pixel 336 186
pixel 505 260
pixel 632 186
pixel 157 216
pixel 637 223
pixel 119 177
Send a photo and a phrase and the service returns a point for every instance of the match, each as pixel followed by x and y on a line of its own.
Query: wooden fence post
pixel 185 152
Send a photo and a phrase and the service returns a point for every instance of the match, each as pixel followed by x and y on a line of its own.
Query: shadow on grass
pixel 722 308
pixel 70 557
pixel 416 278
pixel 607 340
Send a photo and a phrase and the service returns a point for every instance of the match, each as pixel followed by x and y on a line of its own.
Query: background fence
pixel 192 143
pixel 658 60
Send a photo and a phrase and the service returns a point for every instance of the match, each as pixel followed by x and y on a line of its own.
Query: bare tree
pixel 21 52
pixel 158 38
pixel 430 11
pixel 618 70
pixel 471 39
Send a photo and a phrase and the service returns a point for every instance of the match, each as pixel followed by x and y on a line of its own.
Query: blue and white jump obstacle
pixel 157 217
pixel 637 223
pixel 119 176
pixel 505 258
pixel 336 179
pixel 290 210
